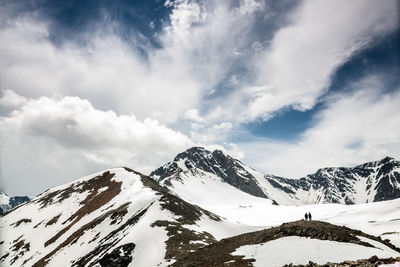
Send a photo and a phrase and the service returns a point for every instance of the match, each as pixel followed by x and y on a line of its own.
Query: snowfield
pixel 301 250
pixel 209 192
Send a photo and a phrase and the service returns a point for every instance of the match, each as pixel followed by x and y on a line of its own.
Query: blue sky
pixel 287 87
pixel 381 58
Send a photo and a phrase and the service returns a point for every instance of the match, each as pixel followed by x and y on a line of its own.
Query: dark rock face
pixel 12 202
pixel 217 162
pixel 15 201
pixel 119 257
pixel 385 189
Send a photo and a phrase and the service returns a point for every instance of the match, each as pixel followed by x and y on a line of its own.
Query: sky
pixel 285 86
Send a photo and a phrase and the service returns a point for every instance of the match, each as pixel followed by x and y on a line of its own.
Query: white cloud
pixel 211 133
pixel 112 75
pixel 203 42
pixel 183 15
pixel 200 45
pixel 72 127
pixel 248 7
pixel 355 127
pixel 297 67
pixel 76 124
pixel 193 115
pixel 11 99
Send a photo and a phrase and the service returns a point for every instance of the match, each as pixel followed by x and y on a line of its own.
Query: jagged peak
pixel 192 151
pixel 199 158
pixel 198 153
pixel 378 163
pixel 386 160
pixel 220 153
pixel 368 164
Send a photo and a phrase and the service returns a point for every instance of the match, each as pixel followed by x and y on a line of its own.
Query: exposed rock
pixel 219 253
pixel 229 169
pixel 119 257
pixel 368 182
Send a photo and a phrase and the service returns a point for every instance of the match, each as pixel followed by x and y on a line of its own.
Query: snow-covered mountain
pixel 7 203
pixel 369 182
pixel 198 161
pixel 117 216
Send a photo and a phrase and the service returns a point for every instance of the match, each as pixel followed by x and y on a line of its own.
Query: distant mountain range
pixel 7 203
pixel 368 182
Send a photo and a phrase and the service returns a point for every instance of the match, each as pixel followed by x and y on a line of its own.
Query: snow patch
pixel 301 250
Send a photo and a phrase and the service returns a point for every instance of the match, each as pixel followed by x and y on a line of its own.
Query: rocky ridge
pixel 368 182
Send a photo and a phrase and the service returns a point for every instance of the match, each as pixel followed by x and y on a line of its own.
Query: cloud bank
pixel 71 126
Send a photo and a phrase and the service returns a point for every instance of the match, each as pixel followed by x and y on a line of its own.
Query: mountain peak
pixel 193 152
pixel 194 157
pixel 216 162
pixel 196 149
pixel 386 160
pixel 389 161
pixel 197 159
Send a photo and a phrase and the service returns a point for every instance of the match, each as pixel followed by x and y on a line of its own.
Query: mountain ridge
pixel 366 182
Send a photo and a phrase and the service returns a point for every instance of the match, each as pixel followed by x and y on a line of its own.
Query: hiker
pixel 309 216
pixel 306 216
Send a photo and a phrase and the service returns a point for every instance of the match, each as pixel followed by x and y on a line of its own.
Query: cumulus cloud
pixel 355 127
pixel 11 99
pixel 108 72
pixel 197 48
pixel 75 124
pixel 71 125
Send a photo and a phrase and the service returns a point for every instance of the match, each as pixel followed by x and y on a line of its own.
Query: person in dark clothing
pixel 306 216
pixel 309 216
